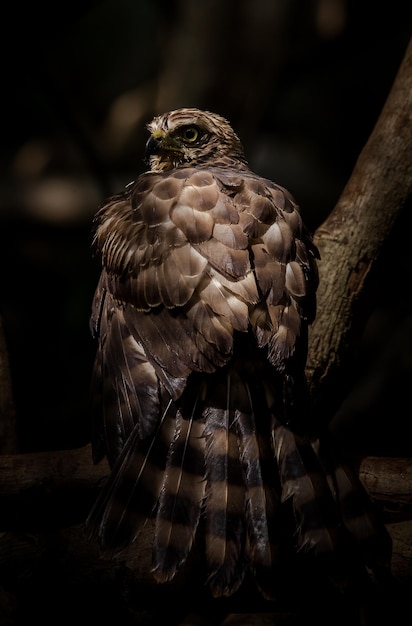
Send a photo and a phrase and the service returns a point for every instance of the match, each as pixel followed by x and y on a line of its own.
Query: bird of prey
pixel 201 315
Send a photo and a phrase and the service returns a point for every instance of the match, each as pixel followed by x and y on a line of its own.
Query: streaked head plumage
pixel 189 136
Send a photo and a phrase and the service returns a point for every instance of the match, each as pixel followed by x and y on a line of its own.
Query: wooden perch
pixel 46 473
pixel 351 239
pixel 45 498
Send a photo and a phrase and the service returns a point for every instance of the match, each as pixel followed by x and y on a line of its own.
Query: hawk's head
pixel 187 137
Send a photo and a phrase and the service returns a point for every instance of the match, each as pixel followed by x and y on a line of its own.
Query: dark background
pixel 303 83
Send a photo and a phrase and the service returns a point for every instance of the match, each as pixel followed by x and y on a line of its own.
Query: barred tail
pixel 181 496
pixel 130 495
pixel 225 531
pixel 358 512
pixel 262 506
pixel 303 480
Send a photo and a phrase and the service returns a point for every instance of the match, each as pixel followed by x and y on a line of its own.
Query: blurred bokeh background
pixel 303 83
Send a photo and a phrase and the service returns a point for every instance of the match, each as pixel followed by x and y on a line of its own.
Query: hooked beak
pixel 153 145
pixel 161 143
pixel 163 151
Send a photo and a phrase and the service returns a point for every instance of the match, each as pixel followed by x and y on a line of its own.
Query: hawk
pixel 201 315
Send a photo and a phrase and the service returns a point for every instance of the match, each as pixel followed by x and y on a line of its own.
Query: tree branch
pixel 49 473
pixel 351 239
pixel 46 497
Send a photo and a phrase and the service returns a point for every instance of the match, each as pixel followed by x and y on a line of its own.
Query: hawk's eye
pixel 190 133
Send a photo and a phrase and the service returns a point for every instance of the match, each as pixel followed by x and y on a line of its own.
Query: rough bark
pixel 388 479
pixel 351 239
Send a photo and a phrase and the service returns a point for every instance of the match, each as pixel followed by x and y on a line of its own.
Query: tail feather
pixel 303 480
pixel 261 505
pixel 224 505
pixel 181 497
pixel 131 493
pixel 358 512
